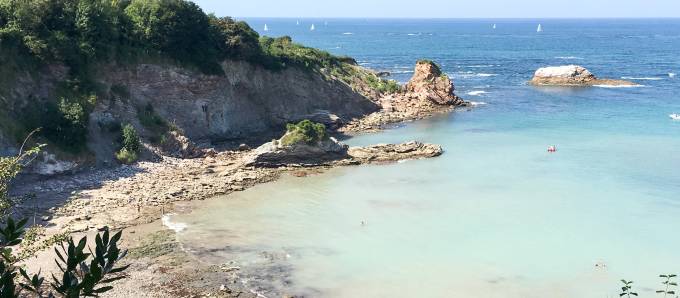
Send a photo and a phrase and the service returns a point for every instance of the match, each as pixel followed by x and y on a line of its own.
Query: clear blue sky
pixel 443 8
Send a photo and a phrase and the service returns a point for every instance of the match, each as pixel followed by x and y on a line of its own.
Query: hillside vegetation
pixel 86 35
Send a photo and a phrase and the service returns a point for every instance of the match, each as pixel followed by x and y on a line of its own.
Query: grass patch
pixel 155 245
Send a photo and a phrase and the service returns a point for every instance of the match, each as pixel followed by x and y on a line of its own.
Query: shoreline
pixel 131 197
pixel 135 198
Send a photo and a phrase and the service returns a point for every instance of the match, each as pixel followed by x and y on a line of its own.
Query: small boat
pixel 494 26
pixel 540 28
pixel 266 28
pixel 674 116
pixel 671 74
pixel 312 28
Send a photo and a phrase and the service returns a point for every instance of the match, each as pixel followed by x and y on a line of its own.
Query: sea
pixel 496 215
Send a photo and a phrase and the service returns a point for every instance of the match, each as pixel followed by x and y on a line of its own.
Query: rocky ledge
pixel 394 152
pixel 572 75
pixel 332 152
pixel 428 92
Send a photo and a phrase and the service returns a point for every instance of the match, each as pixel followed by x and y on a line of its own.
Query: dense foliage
pixel 305 131
pixel 87 34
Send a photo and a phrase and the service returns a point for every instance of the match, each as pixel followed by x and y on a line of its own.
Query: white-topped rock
pixel 571 75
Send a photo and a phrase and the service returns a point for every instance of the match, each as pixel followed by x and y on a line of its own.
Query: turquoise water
pixel 496 215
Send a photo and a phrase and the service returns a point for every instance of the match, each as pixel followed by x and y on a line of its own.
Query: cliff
pixel 248 102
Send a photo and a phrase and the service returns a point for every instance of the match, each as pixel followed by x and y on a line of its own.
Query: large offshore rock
pixel 571 75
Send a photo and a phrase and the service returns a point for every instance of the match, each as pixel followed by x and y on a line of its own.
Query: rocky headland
pixel 428 92
pixel 572 75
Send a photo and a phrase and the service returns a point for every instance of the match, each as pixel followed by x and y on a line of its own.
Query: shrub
pixel 126 156
pixel 83 274
pixel 130 138
pixel 305 131
pixel 381 85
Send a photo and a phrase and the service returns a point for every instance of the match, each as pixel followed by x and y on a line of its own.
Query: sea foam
pixel 642 78
pixel 175 226
pixel 476 92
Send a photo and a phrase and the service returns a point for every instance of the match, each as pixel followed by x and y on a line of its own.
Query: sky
pixel 443 8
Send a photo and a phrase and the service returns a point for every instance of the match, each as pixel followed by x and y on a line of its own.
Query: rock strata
pixel 572 75
pixel 394 152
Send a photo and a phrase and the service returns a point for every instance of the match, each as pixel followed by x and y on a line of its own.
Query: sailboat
pixel 539 29
pixel 266 28
pixel 297 23
pixel 494 26
pixel 312 28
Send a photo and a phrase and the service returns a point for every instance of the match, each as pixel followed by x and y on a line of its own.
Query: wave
pixel 671 75
pixel 402 71
pixel 481 66
pixel 569 58
pixel 175 226
pixel 619 86
pixel 477 103
pixel 476 92
pixel 348 33
pixel 414 34
pixel 642 78
pixel 486 75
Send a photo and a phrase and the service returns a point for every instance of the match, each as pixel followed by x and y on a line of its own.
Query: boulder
pixel 330 120
pixel 178 145
pixel 571 75
pixel 275 154
pixel 394 152
pixel 429 83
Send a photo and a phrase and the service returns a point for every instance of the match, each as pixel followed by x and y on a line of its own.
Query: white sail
pixel 539 29
pixel 266 28
pixel 494 26
pixel 311 28
pixel 297 23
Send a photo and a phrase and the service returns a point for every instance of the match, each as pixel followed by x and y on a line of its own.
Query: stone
pixel 274 154
pixel 429 83
pixel 571 75
pixel 395 152
pixel 243 147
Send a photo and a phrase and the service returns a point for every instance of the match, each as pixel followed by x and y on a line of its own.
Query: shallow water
pixel 496 215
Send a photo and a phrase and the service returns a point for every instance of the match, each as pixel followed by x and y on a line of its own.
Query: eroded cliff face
pixel 246 102
pixel 249 102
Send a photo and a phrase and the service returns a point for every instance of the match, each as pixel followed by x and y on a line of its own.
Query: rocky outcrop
pixel 430 84
pixel 275 154
pixel 571 75
pixel 428 92
pixel 330 151
pixel 394 152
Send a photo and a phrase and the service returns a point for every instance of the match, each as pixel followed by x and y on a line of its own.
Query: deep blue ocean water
pixel 496 215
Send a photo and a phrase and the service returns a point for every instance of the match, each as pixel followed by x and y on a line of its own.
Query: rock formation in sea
pixel 571 75
pixel 429 91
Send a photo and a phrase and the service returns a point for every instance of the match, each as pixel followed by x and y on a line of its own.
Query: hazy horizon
pixel 442 9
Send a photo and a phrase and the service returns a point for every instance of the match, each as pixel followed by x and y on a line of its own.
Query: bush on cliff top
pixel 305 131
